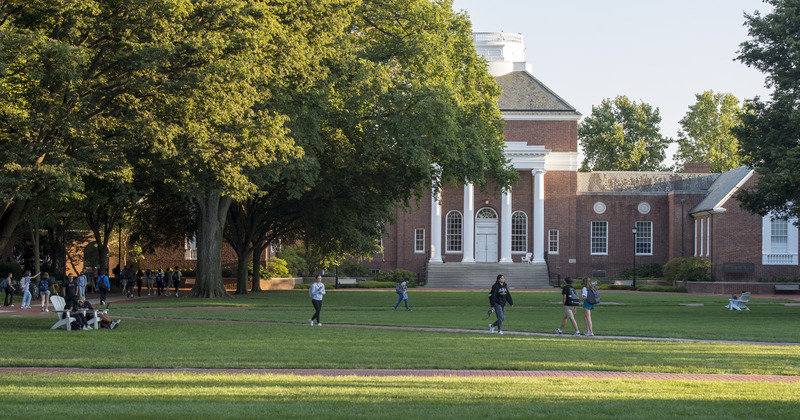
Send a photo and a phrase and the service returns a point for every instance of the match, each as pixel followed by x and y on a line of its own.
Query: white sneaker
pixel 577 333
pixel 589 333
pixel 319 325
pixel 500 332
pixel 311 322
pixel 491 328
pixel 558 330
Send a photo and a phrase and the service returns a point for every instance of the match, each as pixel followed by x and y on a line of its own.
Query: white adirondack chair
pixel 58 303
pixel 528 258
pixel 740 303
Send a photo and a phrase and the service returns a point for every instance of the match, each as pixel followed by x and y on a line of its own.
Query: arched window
pixel 454 225
pixel 519 232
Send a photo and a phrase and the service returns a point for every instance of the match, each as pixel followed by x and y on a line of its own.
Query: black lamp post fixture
pixel 119 246
pixel 64 237
pixel 683 201
pixel 634 256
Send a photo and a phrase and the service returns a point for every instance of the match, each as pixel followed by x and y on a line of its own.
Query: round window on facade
pixel 644 208
pixel 599 207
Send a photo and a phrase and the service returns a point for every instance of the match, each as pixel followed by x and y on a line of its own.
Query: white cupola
pixel 504 52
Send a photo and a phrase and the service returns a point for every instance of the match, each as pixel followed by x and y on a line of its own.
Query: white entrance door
pixel 486 236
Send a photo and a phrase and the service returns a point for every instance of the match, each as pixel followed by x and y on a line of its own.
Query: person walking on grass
pixel 569 303
pixel 167 281
pixel 316 291
pixel 587 307
pixel 402 290
pixel 497 300
pixel 8 287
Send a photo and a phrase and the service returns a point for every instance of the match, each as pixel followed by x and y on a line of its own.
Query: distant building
pixel 580 224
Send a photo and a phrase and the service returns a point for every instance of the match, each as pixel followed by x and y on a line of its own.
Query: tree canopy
pixel 622 135
pixel 771 129
pixel 322 115
pixel 706 133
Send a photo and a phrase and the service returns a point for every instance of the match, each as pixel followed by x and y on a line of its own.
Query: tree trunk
pixel 9 220
pixel 35 239
pixel 241 273
pixel 257 269
pixel 213 212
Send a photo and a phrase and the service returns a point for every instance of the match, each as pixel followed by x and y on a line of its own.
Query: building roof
pixel 643 183
pixel 523 94
pixel 722 189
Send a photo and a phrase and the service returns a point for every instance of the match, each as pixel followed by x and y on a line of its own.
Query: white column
pixel 695 237
pixel 538 215
pixel 468 231
pixel 708 236
pixel 702 221
pixel 436 228
pixel 505 228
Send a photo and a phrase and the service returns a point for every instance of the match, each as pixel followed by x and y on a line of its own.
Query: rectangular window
pixel 552 241
pixel 779 236
pixel 419 240
pixel 599 233
pixel 644 238
pixel 190 248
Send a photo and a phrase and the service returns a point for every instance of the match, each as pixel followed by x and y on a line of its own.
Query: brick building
pixel 560 222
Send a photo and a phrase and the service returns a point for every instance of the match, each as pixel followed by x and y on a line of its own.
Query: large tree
pixel 622 135
pixel 408 105
pixel 771 129
pixel 706 133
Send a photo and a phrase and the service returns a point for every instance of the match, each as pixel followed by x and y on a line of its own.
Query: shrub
pixel 296 264
pixel 227 272
pixel 350 268
pixel 652 270
pixel 396 276
pixel 188 272
pixel 687 269
pixel 276 268
pixel 377 285
pixel 11 267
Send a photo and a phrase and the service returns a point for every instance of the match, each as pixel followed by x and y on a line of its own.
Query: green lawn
pixel 159 338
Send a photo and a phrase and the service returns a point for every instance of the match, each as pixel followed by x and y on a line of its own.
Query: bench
pixel 788 288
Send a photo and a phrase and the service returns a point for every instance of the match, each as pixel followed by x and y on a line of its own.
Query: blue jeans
pixel 26 299
pixel 500 311
pixel 403 298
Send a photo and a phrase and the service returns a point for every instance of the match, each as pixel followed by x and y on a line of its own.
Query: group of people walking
pixel 499 296
pixel 156 282
pixel 570 302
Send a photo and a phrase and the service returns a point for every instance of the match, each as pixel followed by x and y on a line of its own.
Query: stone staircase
pixel 483 275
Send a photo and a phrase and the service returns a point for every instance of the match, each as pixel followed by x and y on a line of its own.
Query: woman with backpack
pixel 569 302
pixel 8 287
pixel 588 288
pixel 402 290
pixel 44 291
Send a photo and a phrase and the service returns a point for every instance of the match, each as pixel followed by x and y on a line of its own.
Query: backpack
pixel 573 299
pixel 399 288
pixel 593 296
pixel 176 276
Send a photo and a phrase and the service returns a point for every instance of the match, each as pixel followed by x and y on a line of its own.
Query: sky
pixel 659 52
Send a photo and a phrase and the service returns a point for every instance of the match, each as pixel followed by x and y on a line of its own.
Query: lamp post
pixel 119 248
pixel 634 256
pixel 683 201
pixel 64 237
